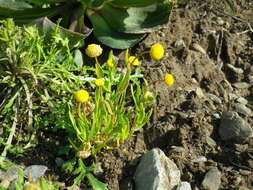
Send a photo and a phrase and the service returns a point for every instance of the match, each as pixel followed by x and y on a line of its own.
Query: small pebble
pixel 184 186
pixel 214 98
pixel 98 169
pixel 242 100
pixel 210 141
pixel 232 96
pixel 198 48
pixel 216 115
pixel 179 44
pixel 200 159
pixel 199 92
pixel 241 108
pixel 243 188
pixel 212 179
pixel 233 127
pixel 220 21
pixel 235 69
pixel 35 171
pixel 241 85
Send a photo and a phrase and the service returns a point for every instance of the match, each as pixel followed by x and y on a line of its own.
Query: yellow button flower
pixel 133 60
pixel 110 63
pixel 157 52
pixel 169 79
pixel 93 50
pixel 100 82
pixel 81 96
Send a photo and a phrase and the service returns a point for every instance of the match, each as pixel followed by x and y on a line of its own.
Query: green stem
pixel 13 129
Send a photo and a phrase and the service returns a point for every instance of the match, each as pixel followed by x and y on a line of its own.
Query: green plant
pixel 118 108
pixel 116 23
pixel 81 172
pixel 36 75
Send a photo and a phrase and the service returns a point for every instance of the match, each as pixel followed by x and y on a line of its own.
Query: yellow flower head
pixel 169 79
pixel 93 50
pixel 99 82
pixel 133 60
pixel 81 96
pixel 157 52
pixel 110 63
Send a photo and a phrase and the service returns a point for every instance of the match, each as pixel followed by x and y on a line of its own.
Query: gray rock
pixel 242 100
pixel 156 172
pixel 210 141
pixel 235 69
pixel 216 115
pixel 241 108
pixel 232 96
pixel 35 171
pixel 59 161
pixel 10 175
pixel 212 179
pixel 243 188
pixel 98 169
pixel 219 21
pixel 179 44
pixel 233 127
pixel 214 98
pixel 200 159
pixel 184 186
pixel 241 85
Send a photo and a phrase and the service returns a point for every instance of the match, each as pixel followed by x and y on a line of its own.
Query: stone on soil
pixel 35 171
pixel 214 98
pixel 212 179
pixel 156 172
pixel 242 100
pixel 241 108
pixel 241 85
pixel 233 127
pixel 184 186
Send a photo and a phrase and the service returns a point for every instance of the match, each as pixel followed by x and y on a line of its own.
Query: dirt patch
pixel 202 41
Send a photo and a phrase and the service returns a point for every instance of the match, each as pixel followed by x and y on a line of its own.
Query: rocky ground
pixel 210 53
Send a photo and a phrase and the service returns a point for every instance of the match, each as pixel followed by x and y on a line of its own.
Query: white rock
pixel 184 186
pixel 242 100
pixel 156 172
pixel 200 159
pixel 212 179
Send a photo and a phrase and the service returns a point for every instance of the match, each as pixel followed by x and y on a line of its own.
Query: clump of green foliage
pixel 36 75
pixel 115 111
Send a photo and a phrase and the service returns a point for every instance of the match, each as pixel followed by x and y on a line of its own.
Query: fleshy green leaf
pixel 108 36
pixel 134 3
pixel 97 3
pixel 75 38
pixel 28 15
pixel 136 20
pixel 98 185
pixel 13 4
pixel 41 2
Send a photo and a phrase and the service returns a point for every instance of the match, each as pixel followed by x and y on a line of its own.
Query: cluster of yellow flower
pixel 93 50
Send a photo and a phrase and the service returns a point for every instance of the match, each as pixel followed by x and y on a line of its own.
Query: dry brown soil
pixel 183 116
